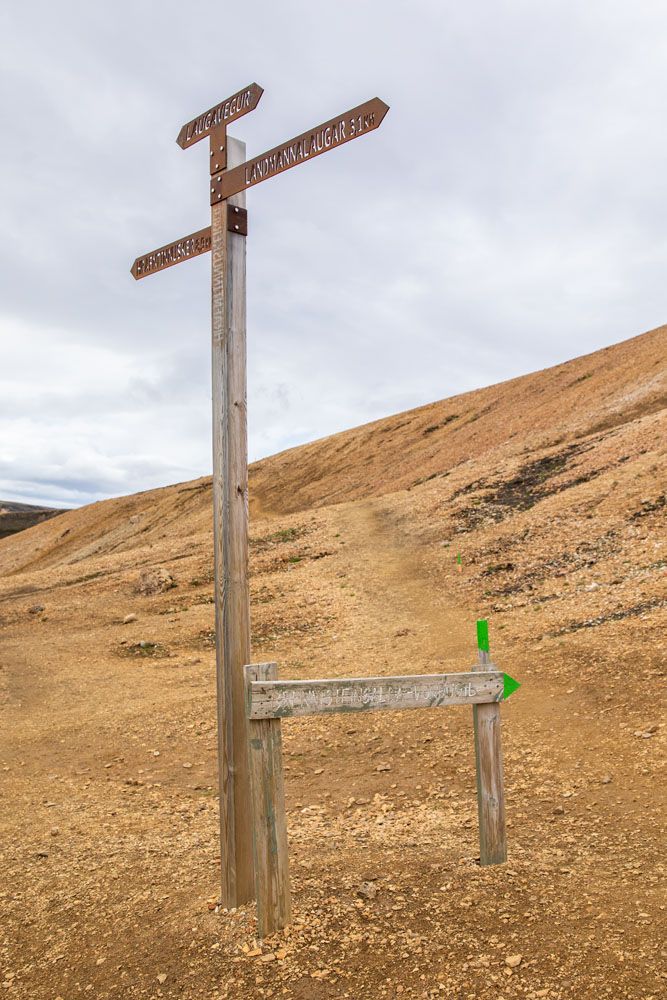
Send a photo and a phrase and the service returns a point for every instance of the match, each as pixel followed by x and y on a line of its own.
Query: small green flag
pixel 483 634
pixel 509 686
pixel 458 558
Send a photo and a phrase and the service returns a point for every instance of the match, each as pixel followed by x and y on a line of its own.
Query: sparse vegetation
pixel 443 423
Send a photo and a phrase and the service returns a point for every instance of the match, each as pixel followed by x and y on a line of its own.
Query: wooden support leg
pixel 268 810
pixel 490 789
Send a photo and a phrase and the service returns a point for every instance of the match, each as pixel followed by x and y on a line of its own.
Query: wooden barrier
pixel 268 700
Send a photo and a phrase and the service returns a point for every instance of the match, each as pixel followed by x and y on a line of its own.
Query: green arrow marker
pixel 509 686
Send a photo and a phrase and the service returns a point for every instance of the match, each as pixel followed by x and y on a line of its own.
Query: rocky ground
pixel 109 817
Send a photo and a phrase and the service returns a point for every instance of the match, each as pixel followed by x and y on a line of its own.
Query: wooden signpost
pixel 230 175
pixel 251 700
pixel 268 700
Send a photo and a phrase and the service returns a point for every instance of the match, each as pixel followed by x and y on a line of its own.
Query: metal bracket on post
pixel 237 220
pixel 216 187
pixel 218 150
pixel 217 142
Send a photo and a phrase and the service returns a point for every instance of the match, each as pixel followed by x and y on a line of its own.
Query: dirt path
pixel 391 571
pixel 584 817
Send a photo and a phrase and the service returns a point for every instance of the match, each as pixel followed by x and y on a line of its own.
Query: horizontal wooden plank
pixel 284 699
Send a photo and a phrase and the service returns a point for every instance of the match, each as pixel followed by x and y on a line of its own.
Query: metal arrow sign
pixel 172 253
pixel 315 141
pixel 222 114
pixel 187 247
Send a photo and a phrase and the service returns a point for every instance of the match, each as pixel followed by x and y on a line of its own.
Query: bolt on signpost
pixel 230 175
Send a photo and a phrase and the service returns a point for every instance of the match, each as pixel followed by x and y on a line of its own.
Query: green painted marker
pixel 509 686
pixel 458 558
pixel 483 634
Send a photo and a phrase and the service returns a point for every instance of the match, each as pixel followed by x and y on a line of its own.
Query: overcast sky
pixel 509 214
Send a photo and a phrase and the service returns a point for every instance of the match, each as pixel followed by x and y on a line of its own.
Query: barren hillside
pixel 552 489
pixel 560 411
pixel 15 517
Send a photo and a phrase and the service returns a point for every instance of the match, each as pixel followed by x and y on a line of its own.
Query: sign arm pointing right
pixel 350 125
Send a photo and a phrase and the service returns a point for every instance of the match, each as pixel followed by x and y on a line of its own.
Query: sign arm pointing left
pixel 187 247
pixel 220 115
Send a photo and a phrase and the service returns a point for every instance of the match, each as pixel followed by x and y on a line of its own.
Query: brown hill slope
pixel 552 489
pixel 587 398
pixel 15 517
pixel 593 393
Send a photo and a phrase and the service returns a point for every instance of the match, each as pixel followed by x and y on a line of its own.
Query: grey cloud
pixel 507 216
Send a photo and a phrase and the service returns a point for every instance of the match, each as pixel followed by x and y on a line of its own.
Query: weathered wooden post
pixel 489 764
pixel 230 526
pixel 268 806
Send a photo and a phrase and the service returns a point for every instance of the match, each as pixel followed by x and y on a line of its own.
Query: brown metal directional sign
pixel 172 253
pixel 189 246
pixel 222 114
pixel 304 147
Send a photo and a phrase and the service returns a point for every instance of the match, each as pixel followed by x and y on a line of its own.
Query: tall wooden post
pixel 230 531
pixel 489 763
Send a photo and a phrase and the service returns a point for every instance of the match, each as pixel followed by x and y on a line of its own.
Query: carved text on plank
pixel 372 696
